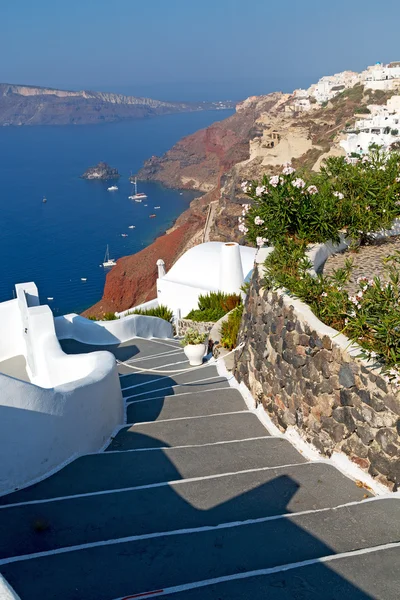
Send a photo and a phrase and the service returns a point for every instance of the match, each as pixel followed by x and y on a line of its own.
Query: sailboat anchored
pixel 108 262
pixel 138 197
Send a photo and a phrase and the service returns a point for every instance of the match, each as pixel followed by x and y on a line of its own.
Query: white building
pixel 209 267
pixel 382 77
pixel 331 85
pixel 381 128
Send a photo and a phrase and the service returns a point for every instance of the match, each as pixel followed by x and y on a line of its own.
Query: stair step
pixel 142 382
pixel 194 430
pixel 122 567
pixel 340 578
pixel 183 505
pixel 188 405
pixel 118 470
pixel 170 362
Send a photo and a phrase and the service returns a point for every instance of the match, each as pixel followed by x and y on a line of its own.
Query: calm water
pixel 57 243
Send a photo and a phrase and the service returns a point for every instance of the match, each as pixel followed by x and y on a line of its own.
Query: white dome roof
pixel 200 266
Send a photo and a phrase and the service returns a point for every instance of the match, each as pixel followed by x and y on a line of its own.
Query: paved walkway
pixel 367 262
pixel 193 500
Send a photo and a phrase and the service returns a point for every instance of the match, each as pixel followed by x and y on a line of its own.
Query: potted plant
pixel 194 346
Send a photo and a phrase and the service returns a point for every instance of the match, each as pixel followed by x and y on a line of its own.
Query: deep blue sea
pixel 57 243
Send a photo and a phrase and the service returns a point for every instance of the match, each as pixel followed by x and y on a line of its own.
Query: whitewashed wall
pixel 11 340
pixel 41 429
pixel 111 332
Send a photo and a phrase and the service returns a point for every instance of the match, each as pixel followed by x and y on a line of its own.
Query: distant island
pixel 31 105
pixel 101 171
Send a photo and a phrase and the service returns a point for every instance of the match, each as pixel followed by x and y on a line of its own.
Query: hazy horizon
pixel 185 51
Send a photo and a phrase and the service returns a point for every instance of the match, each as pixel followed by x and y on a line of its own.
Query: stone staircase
pixel 194 500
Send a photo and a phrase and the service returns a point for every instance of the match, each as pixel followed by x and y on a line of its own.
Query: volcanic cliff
pixel 263 134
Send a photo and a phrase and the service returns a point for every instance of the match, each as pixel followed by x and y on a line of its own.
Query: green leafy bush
pixel 370 318
pixel 370 191
pixel 362 110
pixel 213 306
pixel 354 198
pixel 286 205
pixel 230 328
pixel 193 337
pixel 162 312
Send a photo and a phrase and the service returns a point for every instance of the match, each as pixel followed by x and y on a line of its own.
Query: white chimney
pixel 161 268
pixel 231 271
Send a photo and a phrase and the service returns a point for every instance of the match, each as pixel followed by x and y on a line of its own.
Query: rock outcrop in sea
pixel 101 171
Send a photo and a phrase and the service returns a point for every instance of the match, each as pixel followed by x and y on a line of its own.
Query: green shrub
pixel 162 312
pixel 287 205
pixel 370 189
pixel 193 337
pixel 92 318
pixel 356 198
pixel 363 110
pixel 211 315
pixel 109 316
pixel 230 328
pixel 213 306
pixel 370 318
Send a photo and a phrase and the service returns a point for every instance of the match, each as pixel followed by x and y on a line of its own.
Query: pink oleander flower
pixel 365 159
pixel 246 208
pixel 398 179
pixel 274 181
pixel 338 195
pixel 260 241
pixel 258 221
pixel 312 189
pixel 299 183
pixel 288 169
pixel 242 227
pixel 324 294
pixel 260 190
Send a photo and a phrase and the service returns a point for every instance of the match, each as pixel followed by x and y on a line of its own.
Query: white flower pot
pixel 195 353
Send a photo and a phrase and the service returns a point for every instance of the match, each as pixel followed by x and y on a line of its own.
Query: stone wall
pixel 308 376
pixel 182 325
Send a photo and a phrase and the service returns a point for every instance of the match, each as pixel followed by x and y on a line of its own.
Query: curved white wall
pixel 41 429
pixel 11 340
pixel 111 332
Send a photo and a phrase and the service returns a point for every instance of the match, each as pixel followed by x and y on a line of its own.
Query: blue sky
pixel 192 48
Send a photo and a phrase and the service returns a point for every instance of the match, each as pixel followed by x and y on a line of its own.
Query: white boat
pixel 112 188
pixel 108 262
pixel 137 196
pixel 50 298
pixel 131 226
pixel 157 207
pixel 83 278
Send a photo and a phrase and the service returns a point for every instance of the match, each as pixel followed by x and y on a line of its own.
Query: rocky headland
pixel 101 171
pixel 264 133
pixel 33 105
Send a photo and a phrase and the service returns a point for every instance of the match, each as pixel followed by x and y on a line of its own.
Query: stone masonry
pixel 309 380
pixel 183 325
